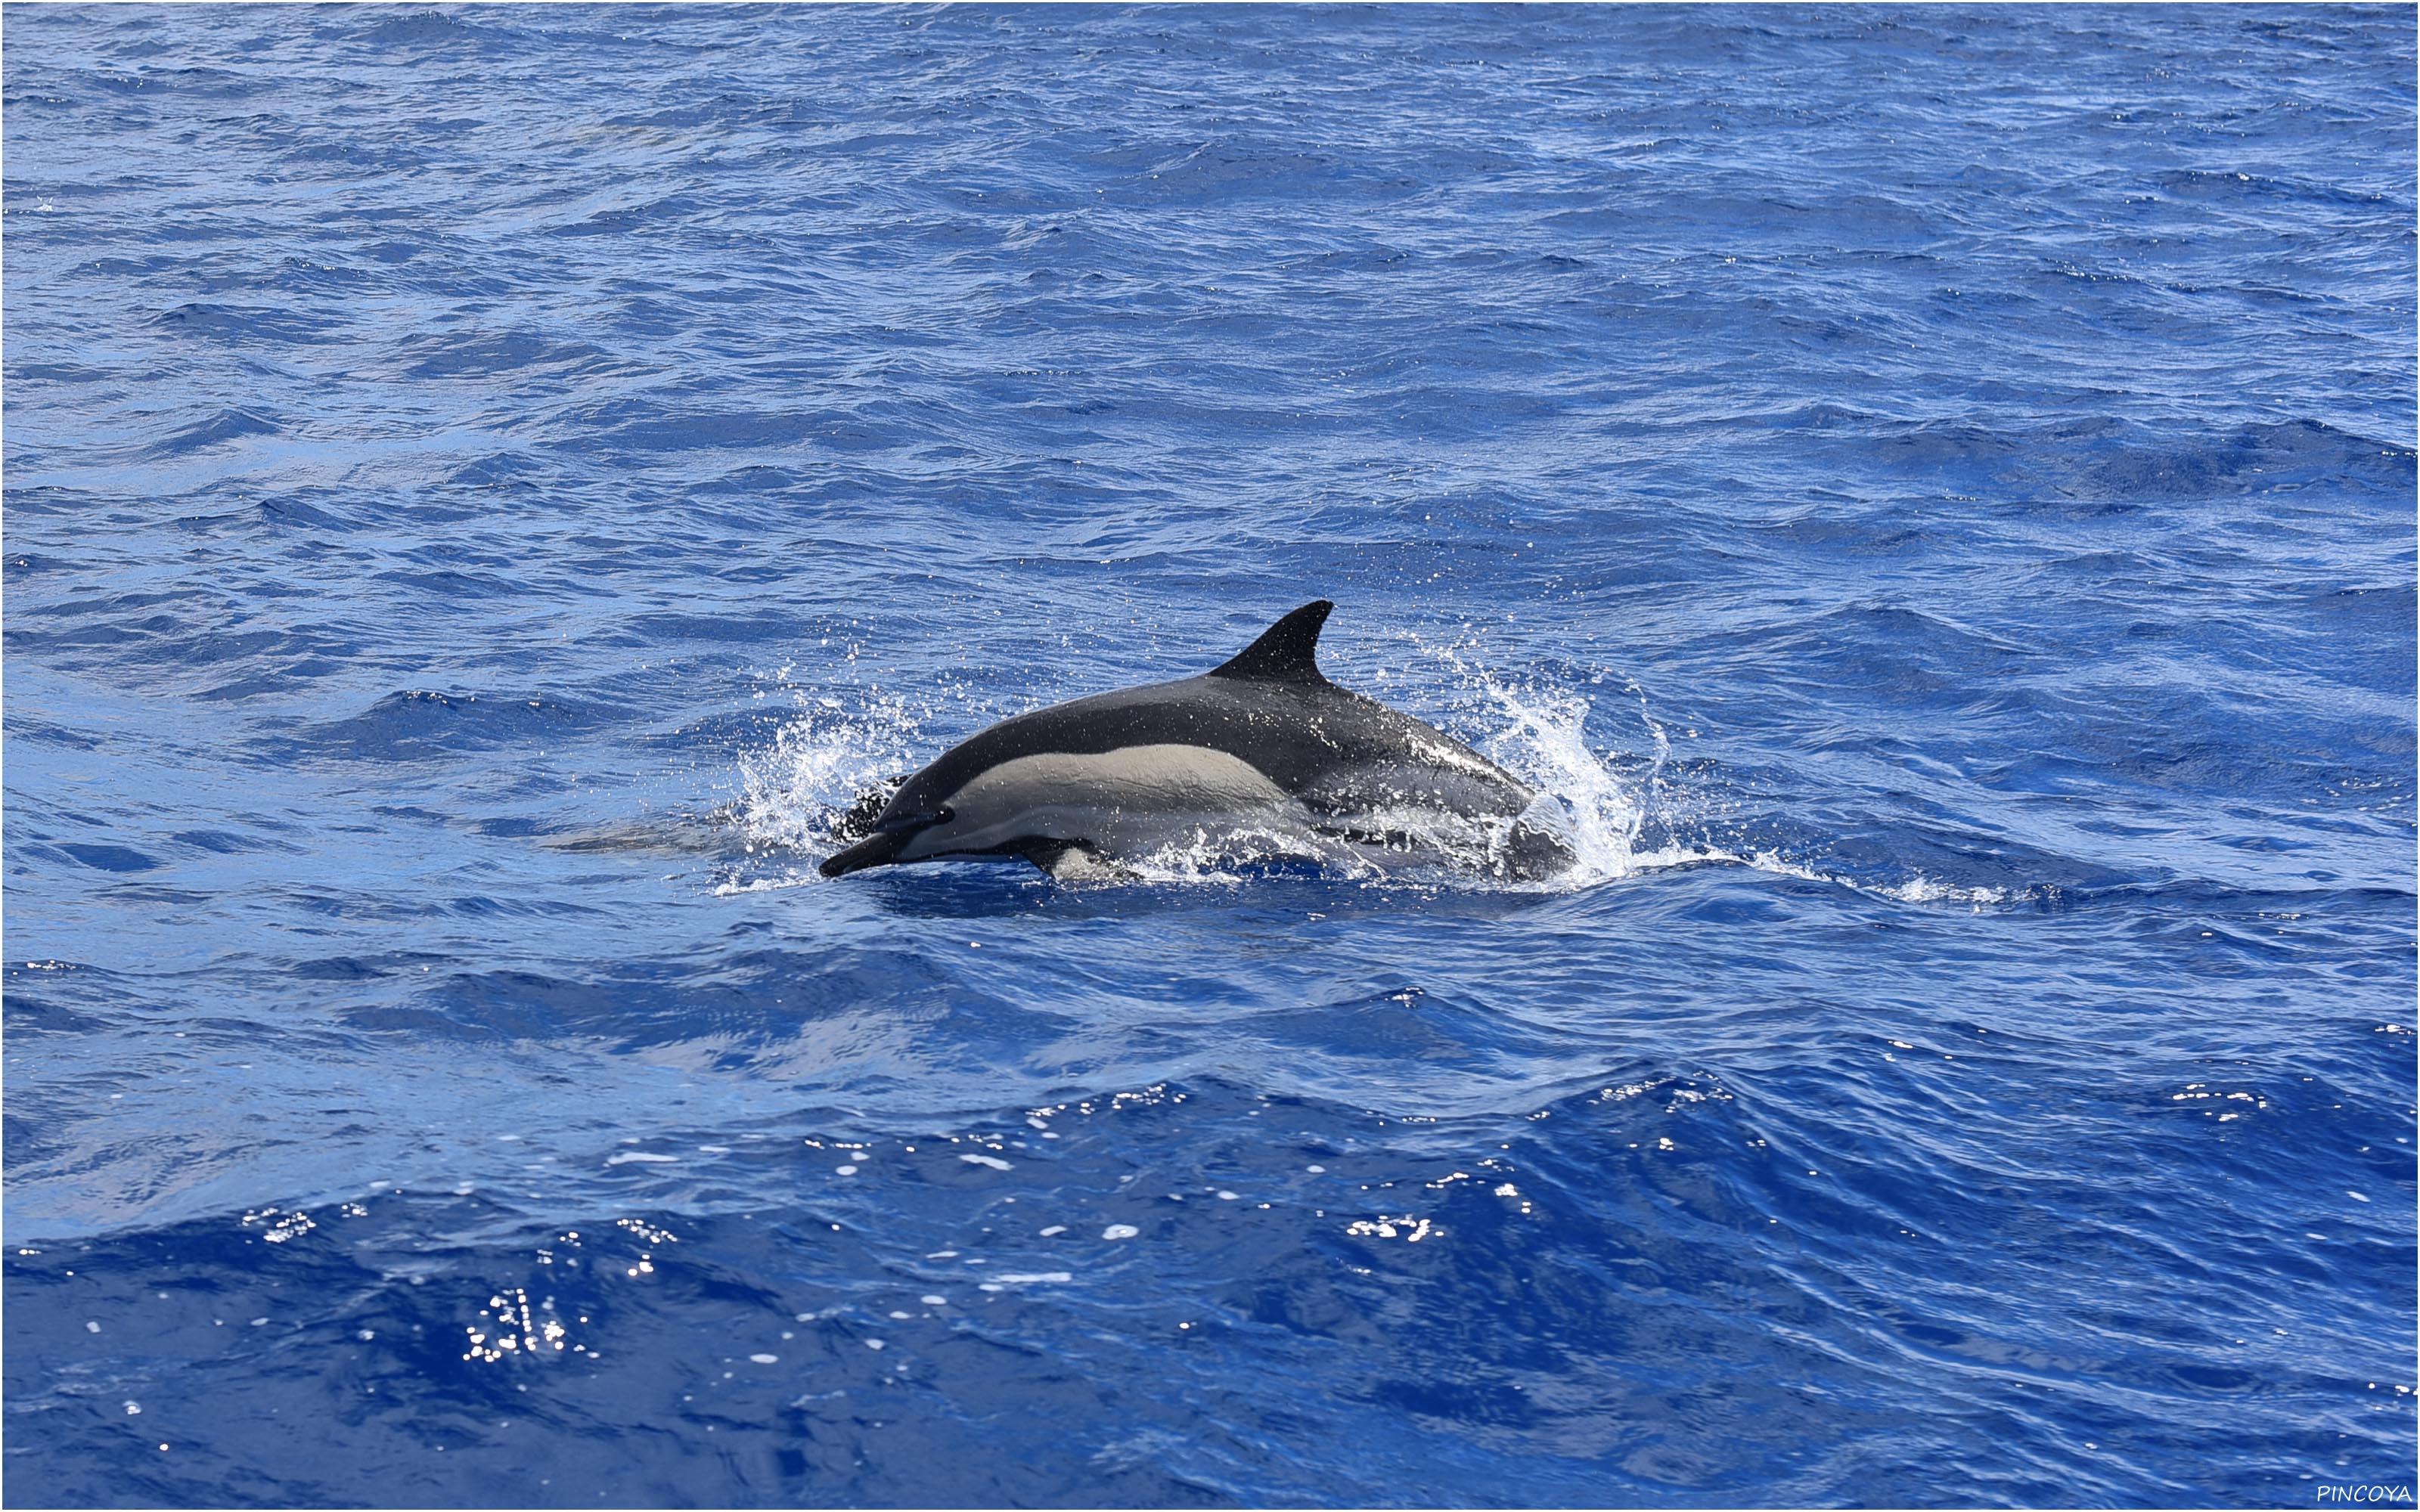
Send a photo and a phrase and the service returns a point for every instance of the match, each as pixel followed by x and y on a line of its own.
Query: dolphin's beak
pixel 890 837
pixel 875 850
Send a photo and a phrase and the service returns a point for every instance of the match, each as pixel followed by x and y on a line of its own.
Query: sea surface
pixel 1926 493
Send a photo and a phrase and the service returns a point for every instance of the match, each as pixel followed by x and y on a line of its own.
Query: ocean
pixel 1926 493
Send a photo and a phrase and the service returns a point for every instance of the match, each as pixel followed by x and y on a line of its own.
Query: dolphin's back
pixel 1319 743
pixel 1261 734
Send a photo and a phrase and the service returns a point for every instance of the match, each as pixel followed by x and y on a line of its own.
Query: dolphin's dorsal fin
pixel 1287 652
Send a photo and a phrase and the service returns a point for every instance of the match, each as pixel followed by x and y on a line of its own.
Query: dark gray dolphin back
pixel 1269 706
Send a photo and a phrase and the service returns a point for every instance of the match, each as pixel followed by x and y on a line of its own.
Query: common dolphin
pixel 1260 741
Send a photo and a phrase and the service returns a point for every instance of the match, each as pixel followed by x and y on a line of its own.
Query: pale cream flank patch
pixel 1101 798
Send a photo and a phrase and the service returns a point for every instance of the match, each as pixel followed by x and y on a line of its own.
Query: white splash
pixel 793 792
pixel 1538 733
pixel 1918 889
pixel 1604 803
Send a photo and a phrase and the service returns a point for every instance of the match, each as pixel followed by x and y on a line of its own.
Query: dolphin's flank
pixel 1263 740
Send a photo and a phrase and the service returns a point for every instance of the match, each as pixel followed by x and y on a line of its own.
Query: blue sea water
pixel 1928 492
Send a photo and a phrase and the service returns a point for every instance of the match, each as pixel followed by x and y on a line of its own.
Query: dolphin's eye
pixel 943 814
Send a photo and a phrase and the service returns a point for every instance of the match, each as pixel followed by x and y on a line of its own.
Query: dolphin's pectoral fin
pixel 1071 860
pixel 1287 652
pixel 1047 853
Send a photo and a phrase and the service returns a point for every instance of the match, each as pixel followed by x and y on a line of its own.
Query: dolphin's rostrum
pixel 1261 741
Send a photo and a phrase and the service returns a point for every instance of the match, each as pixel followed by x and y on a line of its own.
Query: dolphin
pixel 1262 742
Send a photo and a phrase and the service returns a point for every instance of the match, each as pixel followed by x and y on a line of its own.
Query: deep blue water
pixel 1930 493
